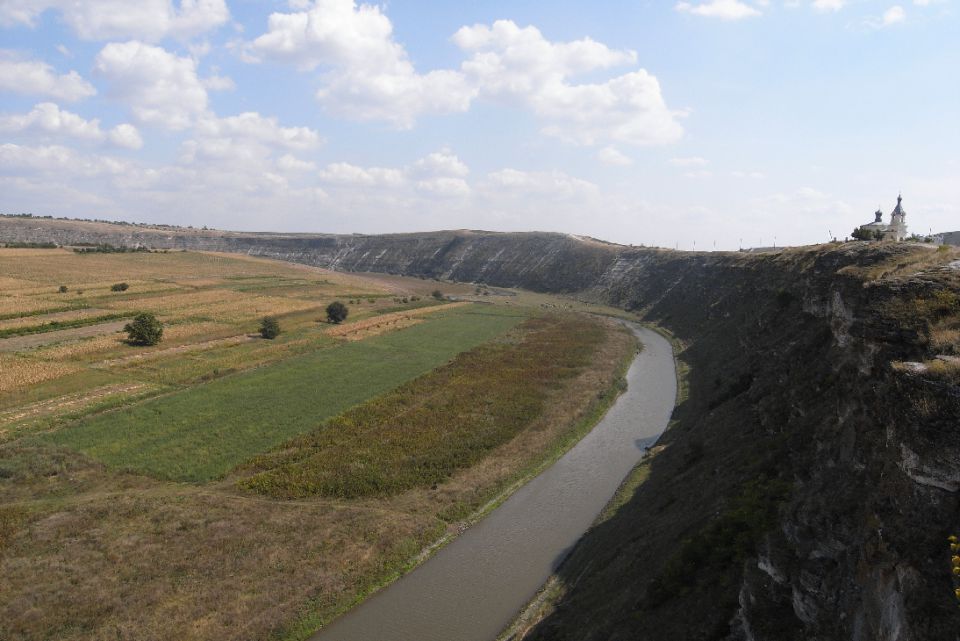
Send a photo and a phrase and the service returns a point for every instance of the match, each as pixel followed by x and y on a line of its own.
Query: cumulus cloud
pixel 149 20
pixel 48 120
pixel 161 88
pixel 550 184
pixel 57 160
pixel 36 78
pixel 440 173
pixel 520 66
pixel 367 75
pixel 722 9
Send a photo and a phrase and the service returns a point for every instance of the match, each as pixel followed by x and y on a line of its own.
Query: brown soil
pixel 385 323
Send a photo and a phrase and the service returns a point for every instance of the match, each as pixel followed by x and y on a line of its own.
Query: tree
pixel 337 312
pixel 145 329
pixel 269 327
pixel 438 294
pixel 119 287
pixel 63 289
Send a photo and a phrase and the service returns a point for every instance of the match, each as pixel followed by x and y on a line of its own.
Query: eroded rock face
pixel 793 404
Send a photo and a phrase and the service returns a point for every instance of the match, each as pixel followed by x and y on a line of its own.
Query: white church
pixel 879 230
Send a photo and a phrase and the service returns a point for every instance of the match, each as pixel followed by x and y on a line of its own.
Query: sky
pixel 698 124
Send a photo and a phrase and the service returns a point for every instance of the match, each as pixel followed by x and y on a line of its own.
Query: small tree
pixel 269 327
pixel 337 312
pixel 145 329
pixel 437 294
pixel 119 287
pixel 63 289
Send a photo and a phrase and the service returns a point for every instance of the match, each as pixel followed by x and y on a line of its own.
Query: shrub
pixel 119 287
pixel 145 329
pixel 437 294
pixel 63 289
pixel 269 327
pixel 337 312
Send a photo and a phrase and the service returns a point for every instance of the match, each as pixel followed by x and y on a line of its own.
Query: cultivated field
pixel 223 486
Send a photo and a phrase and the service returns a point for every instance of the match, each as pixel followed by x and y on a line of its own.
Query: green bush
pixel 269 327
pixel 144 329
pixel 63 289
pixel 119 287
pixel 437 294
pixel 337 312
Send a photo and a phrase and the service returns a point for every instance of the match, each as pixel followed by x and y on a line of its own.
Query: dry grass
pixel 19 372
pixel 385 323
pixel 122 556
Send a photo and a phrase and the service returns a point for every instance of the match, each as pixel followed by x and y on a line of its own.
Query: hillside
pixel 808 486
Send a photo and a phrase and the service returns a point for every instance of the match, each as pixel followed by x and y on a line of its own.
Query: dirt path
pixel 64 403
pixel 386 322
pixel 18 343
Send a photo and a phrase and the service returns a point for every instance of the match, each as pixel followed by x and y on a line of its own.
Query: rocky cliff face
pixel 809 483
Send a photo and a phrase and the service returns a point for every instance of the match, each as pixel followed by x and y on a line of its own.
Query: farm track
pixel 72 401
pixel 386 322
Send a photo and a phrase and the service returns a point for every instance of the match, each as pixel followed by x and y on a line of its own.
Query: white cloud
pixel 441 163
pixel 48 120
pixel 828 5
pixel 722 9
pixel 519 66
pixel 57 160
pixel 35 78
pixel 150 20
pixel 893 15
pixel 367 75
pixel 289 163
pixel 254 127
pixel 343 173
pixel 550 184
pixel 160 87
pixel 218 83
pixel 612 156
pixel 125 135
pixel 691 161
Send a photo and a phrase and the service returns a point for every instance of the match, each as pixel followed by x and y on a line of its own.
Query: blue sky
pixel 715 122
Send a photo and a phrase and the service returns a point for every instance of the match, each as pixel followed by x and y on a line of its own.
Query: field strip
pixel 181 349
pixel 386 322
pixel 71 401
pixel 18 343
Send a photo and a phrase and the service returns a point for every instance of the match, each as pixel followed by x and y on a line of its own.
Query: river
pixel 472 588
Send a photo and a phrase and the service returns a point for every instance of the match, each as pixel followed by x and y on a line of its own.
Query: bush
pixel 269 327
pixel 145 329
pixel 119 287
pixel 437 294
pixel 337 312
pixel 63 289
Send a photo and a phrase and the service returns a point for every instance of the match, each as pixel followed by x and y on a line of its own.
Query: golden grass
pixel 27 321
pixel 19 372
pixel 385 322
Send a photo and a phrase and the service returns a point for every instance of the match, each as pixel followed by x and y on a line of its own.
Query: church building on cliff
pixel 878 230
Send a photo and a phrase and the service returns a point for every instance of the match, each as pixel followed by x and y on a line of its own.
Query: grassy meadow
pixel 223 486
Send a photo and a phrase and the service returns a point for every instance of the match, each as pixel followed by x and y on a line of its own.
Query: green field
pixel 200 433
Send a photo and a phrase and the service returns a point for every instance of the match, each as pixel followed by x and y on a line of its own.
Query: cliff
pixel 811 477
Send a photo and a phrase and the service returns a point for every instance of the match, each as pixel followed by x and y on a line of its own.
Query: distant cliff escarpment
pixel 809 482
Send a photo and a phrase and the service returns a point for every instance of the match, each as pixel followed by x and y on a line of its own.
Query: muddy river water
pixel 472 588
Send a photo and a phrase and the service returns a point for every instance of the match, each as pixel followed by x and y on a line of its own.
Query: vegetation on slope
pixel 408 437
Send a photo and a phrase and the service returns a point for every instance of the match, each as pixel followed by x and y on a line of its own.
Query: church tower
pixel 898 220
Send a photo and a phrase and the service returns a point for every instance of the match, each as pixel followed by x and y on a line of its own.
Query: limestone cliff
pixel 811 478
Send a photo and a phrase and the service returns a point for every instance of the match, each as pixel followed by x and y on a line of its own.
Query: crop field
pixel 223 486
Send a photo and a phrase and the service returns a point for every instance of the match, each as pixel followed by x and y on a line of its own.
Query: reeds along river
pixel 472 588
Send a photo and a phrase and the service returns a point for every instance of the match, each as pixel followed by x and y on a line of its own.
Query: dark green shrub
pixel 437 294
pixel 119 287
pixel 337 312
pixel 145 329
pixel 63 289
pixel 269 327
